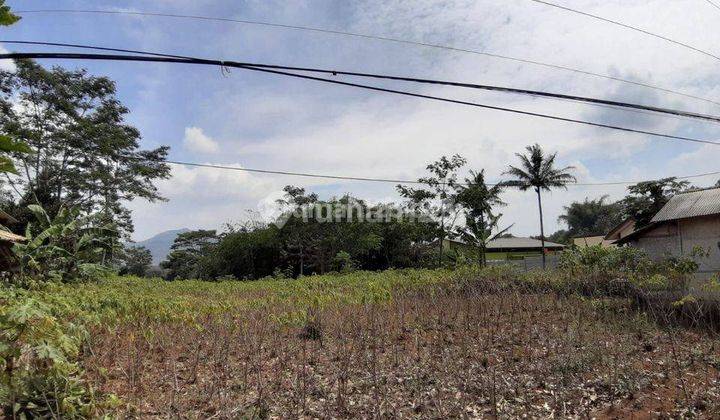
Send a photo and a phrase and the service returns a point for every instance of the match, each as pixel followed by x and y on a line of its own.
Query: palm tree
pixel 538 172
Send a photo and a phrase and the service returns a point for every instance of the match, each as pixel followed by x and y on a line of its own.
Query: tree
pixel 591 217
pixel 311 242
pixel 64 247
pixel 7 144
pixel 83 154
pixel 186 252
pixel 7 18
pixel 646 198
pixel 298 236
pixel 137 261
pixel 478 200
pixel 441 184
pixel 539 173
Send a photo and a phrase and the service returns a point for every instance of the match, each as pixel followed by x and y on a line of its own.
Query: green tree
pixel 591 217
pixel 7 144
pixel 298 236
pixel 478 200
pixel 136 261
pixel 84 155
pixel 186 253
pixel 538 171
pixel 441 184
pixel 65 247
pixel 247 252
pixel 646 198
pixel 318 230
pixel 7 18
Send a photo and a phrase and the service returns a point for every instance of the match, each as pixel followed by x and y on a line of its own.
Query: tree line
pixel 448 208
pixel 69 163
pixel 465 210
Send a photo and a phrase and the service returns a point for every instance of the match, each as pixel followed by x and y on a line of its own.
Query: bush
pixel 37 370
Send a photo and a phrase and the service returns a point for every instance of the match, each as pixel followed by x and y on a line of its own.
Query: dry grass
pixel 423 354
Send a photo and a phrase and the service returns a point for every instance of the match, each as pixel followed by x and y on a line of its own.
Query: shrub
pixel 37 370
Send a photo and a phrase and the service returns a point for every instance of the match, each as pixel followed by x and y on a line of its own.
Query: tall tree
pixel 7 144
pixel 298 236
pixel 538 171
pixel 646 198
pixel 186 252
pixel 440 189
pixel 478 200
pixel 591 217
pixel 136 261
pixel 83 153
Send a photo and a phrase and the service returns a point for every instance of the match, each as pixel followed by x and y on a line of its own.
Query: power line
pixel 338 82
pixel 717 6
pixel 535 93
pixel 379 38
pixel 390 180
pixel 626 26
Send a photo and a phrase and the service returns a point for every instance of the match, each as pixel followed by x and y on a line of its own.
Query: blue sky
pixel 264 121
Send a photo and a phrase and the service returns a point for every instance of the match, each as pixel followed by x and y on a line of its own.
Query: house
pixel 586 241
pixel 506 248
pixel 689 220
pixel 7 240
pixel 623 229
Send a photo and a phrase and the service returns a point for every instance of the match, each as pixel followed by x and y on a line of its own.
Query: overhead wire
pixel 398 181
pixel 630 27
pixel 225 64
pixel 717 6
pixel 535 93
pixel 374 37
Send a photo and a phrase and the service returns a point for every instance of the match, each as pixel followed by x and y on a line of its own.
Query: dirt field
pixel 419 353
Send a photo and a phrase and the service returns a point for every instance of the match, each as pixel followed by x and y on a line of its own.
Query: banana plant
pixel 62 248
pixel 8 145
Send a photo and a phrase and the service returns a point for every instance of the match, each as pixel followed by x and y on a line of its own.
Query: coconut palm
pixel 538 172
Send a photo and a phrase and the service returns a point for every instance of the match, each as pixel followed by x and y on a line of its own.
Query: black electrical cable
pixel 505 89
pixel 374 37
pixel 717 6
pixel 337 82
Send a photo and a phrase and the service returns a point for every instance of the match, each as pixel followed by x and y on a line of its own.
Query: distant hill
pixel 159 245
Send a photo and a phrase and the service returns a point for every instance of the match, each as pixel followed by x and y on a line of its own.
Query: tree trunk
pixel 542 229
pixel 442 232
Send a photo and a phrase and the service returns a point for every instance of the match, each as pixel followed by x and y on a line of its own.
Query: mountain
pixel 159 245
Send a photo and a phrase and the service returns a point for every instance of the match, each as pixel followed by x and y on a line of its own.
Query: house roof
pixel 11 237
pixel 516 243
pixel 690 204
pixel 6 218
pixel 591 240
pixel 616 231
pixel 510 243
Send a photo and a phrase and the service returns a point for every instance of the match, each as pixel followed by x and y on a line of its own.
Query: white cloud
pixel 284 124
pixel 6 65
pixel 197 141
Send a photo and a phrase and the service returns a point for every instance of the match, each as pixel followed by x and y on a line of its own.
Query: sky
pixel 252 120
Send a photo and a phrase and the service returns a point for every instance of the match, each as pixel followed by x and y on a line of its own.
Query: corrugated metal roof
pixel 690 204
pixel 8 236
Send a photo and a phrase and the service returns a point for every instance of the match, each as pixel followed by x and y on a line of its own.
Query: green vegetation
pixel 78 151
pixel 538 172
pixel 58 340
